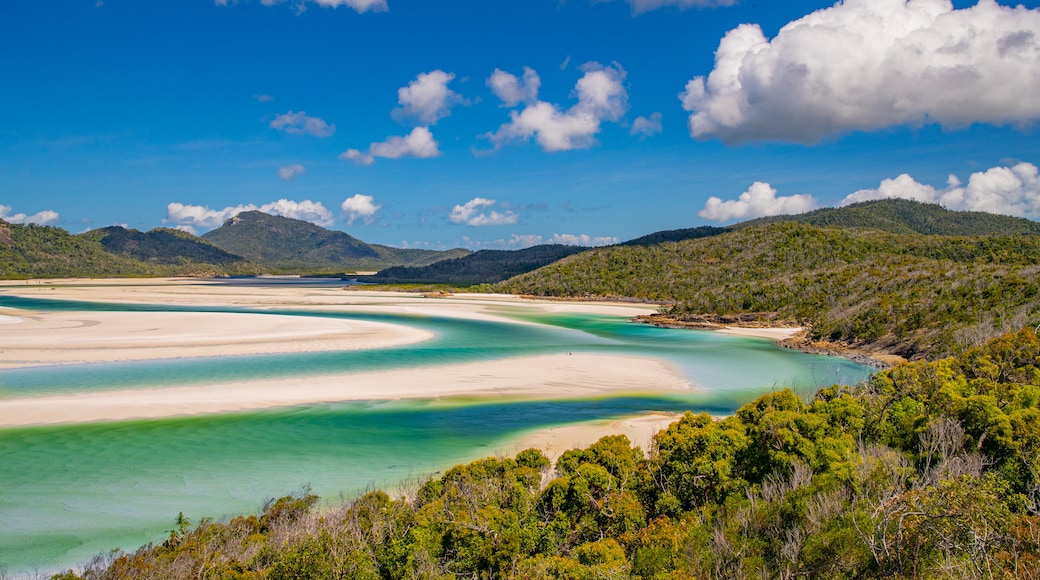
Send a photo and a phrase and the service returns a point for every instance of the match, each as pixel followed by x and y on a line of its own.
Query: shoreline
pixel 785 333
pixel 555 441
pixel 553 376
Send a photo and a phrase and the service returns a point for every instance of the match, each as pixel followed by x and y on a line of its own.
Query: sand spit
pixel 554 441
pixel 549 376
pixel 51 338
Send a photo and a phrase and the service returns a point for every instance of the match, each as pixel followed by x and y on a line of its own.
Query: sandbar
pixel 554 441
pixel 51 338
pixel 777 334
pixel 549 376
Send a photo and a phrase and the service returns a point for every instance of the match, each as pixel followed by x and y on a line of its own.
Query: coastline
pixel 786 333
pixel 542 377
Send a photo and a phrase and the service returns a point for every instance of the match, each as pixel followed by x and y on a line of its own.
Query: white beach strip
pixel 771 333
pixel 52 338
pixel 9 319
pixel 548 376
pixel 554 441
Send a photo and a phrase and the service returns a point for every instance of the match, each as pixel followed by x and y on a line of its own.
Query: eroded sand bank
pixel 549 376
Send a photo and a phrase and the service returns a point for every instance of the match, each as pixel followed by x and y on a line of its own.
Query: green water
pixel 67 493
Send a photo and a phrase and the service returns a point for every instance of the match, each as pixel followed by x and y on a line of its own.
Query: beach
pixel 52 338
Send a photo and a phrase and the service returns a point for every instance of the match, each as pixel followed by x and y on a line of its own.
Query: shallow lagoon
pixel 69 492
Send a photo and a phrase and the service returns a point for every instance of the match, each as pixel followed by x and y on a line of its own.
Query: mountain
pixel 483 267
pixel 903 216
pixel 676 236
pixel 293 245
pixel 161 246
pixel 909 294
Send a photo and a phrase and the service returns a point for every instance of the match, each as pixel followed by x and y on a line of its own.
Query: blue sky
pixel 412 122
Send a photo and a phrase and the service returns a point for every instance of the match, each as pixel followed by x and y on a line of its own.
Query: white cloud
pixel 601 97
pixel 759 200
pixel 1011 190
pixel 869 64
pixel 263 98
pixel 360 6
pixel 427 99
pixel 306 210
pixel 300 124
pixel 39 218
pixel 200 217
pixel 647 126
pixel 513 91
pixel 419 143
pixel 640 6
pixel 472 213
pixel 582 240
pixel 291 172
pixel 361 207
pixel 193 218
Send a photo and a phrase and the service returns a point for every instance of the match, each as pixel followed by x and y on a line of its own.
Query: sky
pixel 508 123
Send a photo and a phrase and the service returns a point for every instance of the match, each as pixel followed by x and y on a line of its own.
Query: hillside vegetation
pixel 929 470
pixel 485 266
pixel 908 294
pixel 290 245
pixel 162 246
pixel 32 251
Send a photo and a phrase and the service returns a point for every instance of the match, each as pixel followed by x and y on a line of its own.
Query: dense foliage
pixel 929 470
pixel 33 251
pixel 902 216
pixel 485 266
pixel 162 246
pixel 290 245
pixel 909 294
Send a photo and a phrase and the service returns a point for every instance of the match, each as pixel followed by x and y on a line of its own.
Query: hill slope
pixel 290 244
pixel 903 216
pixel 908 294
pixel 485 266
pixel 161 246
pixel 32 251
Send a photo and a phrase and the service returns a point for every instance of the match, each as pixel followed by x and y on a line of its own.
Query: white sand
pixel 9 319
pixel 79 337
pixel 771 333
pixel 550 376
pixel 640 430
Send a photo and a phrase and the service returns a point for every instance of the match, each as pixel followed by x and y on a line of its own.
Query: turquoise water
pixel 69 492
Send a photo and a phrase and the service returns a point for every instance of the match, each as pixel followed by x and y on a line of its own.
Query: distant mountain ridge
pixel 482 267
pixel 293 245
pixel 903 216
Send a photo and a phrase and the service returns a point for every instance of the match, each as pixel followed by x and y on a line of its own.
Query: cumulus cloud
pixel 193 218
pixel 647 126
pixel 361 207
pixel 869 64
pixel 472 213
pixel 601 97
pixel 1011 191
pixel 419 143
pixel 583 240
pixel 300 124
pixel 512 90
pixel 759 200
pixel 360 6
pixel 427 99
pixel 41 218
pixel 291 172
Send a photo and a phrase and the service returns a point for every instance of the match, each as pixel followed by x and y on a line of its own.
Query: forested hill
pixel 294 245
pixel 928 470
pixel 908 294
pixel 161 246
pixel 903 216
pixel 33 251
pixel 484 266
